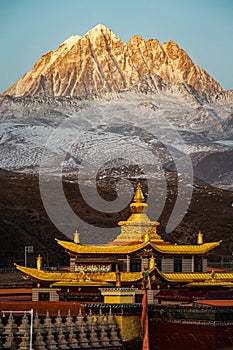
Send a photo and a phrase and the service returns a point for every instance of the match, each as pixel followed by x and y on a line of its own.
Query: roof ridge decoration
pixel 139 197
pixel 127 248
pixel 138 227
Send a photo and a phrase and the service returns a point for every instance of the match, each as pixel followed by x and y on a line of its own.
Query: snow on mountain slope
pixel 95 98
pixel 99 63
pixel 123 126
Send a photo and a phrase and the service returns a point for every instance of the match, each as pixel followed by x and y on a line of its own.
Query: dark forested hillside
pixel 23 220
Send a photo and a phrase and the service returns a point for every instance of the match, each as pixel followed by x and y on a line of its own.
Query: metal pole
pixel 31 328
pixel 25 256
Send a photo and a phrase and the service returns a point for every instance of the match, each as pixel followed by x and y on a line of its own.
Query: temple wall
pixel 204 265
pixel 175 327
pixel 43 292
pixel 72 264
pixel 130 326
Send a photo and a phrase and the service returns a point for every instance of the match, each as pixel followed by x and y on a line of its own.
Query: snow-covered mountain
pixel 100 63
pixel 94 101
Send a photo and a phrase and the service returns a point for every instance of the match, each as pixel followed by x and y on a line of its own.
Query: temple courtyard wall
pixel 117 326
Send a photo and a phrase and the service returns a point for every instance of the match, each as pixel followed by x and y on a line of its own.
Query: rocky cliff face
pixel 99 63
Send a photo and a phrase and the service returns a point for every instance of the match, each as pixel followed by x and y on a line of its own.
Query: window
pixel 135 265
pixel 43 296
pixel 177 264
pixel 158 263
pixel 197 264
pixel 138 298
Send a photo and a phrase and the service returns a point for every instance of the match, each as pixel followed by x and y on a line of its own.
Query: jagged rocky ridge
pixel 99 63
pixel 98 71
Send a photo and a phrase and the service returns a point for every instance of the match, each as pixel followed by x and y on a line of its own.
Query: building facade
pixel 138 258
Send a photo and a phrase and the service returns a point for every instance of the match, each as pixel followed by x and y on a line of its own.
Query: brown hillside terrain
pixel 23 220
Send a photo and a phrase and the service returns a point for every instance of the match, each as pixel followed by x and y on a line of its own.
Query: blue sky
pixel 31 28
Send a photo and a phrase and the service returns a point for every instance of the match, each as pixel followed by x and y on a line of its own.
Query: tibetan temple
pixel 137 259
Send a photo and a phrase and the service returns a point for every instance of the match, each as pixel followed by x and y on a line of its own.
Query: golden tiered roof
pixel 190 279
pixel 194 277
pixel 127 249
pixel 78 278
pixel 138 227
pixel 137 233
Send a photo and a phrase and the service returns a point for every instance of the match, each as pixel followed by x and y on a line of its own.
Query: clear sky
pixel 31 28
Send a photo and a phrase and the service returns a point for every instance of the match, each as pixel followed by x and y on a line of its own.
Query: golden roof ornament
pixel 39 262
pixel 139 197
pixel 76 237
pixel 152 262
pixel 147 237
pixel 200 238
pixel 138 227
pixel 138 206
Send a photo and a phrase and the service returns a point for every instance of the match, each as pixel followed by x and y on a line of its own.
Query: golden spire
pixel 138 206
pixel 138 227
pixel 139 197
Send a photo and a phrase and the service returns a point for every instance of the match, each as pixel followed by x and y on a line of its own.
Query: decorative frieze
pixel 93 267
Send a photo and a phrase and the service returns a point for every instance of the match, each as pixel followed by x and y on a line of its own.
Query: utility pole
pixel 27 249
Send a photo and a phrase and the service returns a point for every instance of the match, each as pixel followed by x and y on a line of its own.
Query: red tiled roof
pixel 15 291
pixel 215 269
pixel 42 307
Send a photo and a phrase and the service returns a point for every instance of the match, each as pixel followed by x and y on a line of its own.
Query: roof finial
pixel 200 238
pixel 138 206
pixel 76 237
pixel 139 197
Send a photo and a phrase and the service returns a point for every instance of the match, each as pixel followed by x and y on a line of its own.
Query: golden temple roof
pixel 211 284
pixel 81 284
pixel 79 278
pixel 136 233
pixel 191 277
pixel 101 249
pixel 127 248
pixel 186 249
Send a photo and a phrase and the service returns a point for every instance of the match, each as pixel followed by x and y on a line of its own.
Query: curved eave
pixel 82 284
pixel 127 249
pixel 211 284
pixel 100 249
pixel 193 277
pixel 45 275
pixel 79 277
pixel 186 249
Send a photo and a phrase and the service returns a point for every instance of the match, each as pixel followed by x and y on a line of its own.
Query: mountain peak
pixel 72 40
pixel 99 31
pixel 98 63
pixel 100 27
